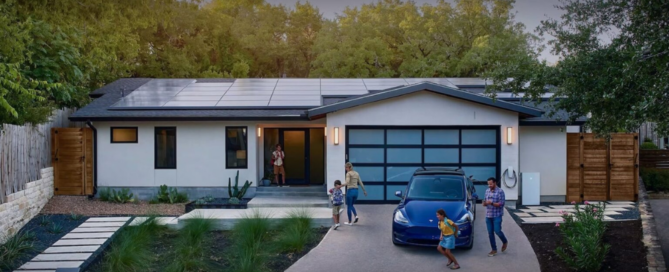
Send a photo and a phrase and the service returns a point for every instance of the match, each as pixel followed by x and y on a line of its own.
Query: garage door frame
pixel 460 146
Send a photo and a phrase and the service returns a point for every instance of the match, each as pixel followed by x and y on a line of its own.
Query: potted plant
pixel 267 180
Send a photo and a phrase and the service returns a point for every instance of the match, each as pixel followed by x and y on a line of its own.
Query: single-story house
pixel 195 134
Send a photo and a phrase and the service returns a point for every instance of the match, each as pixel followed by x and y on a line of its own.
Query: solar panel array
pixel 259 92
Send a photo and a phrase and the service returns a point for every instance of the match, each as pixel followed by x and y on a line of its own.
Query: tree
pixel 620 84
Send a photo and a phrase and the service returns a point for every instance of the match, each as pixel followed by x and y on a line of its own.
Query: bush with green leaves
pixel 44 220
pixel 235 193
pixel 131 249
pixel 75 217
pixel 655 179
pixel 250 237
pixel 648 146
pixel 121 196
pixel 189 251
pixel 170 195
pixel 295 231
pixel 55 228
pixel 583 232
pixel 204 200
pixel 15 248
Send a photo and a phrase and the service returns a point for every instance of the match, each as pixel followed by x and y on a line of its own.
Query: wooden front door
pixel 72 160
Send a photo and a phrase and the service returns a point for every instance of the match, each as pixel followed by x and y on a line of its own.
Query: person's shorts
pixel 279 170
pixel 336 209
pixel 448 242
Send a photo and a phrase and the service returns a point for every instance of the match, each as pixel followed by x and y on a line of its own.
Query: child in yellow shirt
pixel 449 232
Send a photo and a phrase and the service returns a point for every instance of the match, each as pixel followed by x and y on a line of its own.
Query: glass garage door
pixel 386 157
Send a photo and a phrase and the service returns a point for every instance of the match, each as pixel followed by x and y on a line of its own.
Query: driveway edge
pixel 650 238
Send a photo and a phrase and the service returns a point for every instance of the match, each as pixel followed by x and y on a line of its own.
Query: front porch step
pixel 290 194
pixel 315 189
pixel 288 202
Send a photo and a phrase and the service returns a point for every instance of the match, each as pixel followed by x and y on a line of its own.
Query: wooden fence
pixel 655 159
pixel 598 169
pixel 25 150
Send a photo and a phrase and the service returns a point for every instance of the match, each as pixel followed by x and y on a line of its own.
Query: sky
pixel 528 12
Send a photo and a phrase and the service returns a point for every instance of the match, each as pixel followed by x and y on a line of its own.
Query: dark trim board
pixel 549 123
pixel 422 146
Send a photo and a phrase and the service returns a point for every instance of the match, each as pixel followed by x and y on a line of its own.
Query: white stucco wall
pixel 544 150
pixel 200 156
pixel 421 109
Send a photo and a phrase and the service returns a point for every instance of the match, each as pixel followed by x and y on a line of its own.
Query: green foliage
pixel 582 236
pixel 235 192
pixel 647 140
pixel 648 146
pixel 131 250
pixel 55 228
pixel 295 231
pixel 250 237
pixel 233 201
pixel 655 179
pixel 121 196
pixel 204 200
pixel 75 217
pixel 189 253
pixel 621 83
pixel 170 195
pixel 44 220
pixel 16 247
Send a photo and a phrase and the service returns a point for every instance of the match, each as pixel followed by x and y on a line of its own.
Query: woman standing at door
pixel 352 182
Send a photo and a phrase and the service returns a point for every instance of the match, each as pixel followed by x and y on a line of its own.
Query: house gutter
pixel 95 158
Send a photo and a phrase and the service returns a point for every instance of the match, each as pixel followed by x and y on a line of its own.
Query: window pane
pixel 479 136
pixel 124 135
pixel 441 137
pixel 404 155
pixel 366 136
pixel 442 155
pixel 480 173
pixel 166 148
pixel 236 147
pixel 365 155
pixel 400 173
pixel 368 173
pixel 374 192
pixel 403 136
pixel 479 155
pixel 390 191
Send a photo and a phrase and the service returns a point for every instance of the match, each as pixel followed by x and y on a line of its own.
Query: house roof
pixel 418 87
pixel 101 108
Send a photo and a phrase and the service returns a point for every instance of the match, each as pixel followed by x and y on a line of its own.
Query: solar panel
pixel 295 97
pixel 197 98
pixel 190 104
pixel 462 81
pixel 298 88
pixel 294 103
pixel 247 92
pixel 245 97
pixel 241 103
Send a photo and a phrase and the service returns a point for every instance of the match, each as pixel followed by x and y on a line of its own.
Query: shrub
pixel 44 220
pixel 582 235
pixel 655 179
pixel 295 231
pixel 189 249
pixel 16 248
pixel 121 196
pixel 75 217
pixel 204 200
pixel 250 237
pixel 130 250
pixel 170 195
pixel 55 228
pixel 235 192
pixel 648 146
pixel 647 140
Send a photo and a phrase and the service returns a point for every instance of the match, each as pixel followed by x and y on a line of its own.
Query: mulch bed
pixel 93 207
pixel 44 238
pixel 280 262
pixel 627 252
pixel 218 203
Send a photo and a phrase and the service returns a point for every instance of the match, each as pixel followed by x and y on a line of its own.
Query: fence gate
pixel 72 159
pixel 598 169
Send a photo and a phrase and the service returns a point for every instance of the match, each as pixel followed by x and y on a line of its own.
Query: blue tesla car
pixel 430 189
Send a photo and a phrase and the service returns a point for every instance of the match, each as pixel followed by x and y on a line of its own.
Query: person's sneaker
pixel 356 220
pixel 336 226
pixel 348 223
pixel 492 253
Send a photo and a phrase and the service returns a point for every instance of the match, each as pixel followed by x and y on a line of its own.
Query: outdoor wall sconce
pixel 336 135
pixel 259 132
pixel 509 135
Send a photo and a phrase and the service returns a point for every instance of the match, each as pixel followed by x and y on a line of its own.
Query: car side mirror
pixel 475 195
pixel 398 194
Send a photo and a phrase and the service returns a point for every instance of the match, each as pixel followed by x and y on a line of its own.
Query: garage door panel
pixel 442 155
pixel 404 155
pixel 366 155
pixel 404 136
pixel 374 193
pixel 400 173
pixel 442 137
pixel 370 173
pixel 366 136
pixel 479 155
pixel 479 137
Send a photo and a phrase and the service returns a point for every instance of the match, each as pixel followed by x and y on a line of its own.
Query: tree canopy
pixel 55 52
pixel 619 83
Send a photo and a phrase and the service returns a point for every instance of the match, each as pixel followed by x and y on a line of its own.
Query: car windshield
pixel 436 188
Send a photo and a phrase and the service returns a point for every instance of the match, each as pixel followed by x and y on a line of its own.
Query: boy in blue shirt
pixel 337 198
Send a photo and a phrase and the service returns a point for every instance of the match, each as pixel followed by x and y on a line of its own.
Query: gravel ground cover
pixel 93 207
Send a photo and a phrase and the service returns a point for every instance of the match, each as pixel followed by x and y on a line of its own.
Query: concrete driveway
pixel 367 246
pixel 661 214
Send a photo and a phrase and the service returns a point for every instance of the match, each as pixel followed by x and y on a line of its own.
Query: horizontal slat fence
pixel 655 159
pixel 25 150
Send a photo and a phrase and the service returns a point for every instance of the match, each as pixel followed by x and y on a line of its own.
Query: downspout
pixel 95 158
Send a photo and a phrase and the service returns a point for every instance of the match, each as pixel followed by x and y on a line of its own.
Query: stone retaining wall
pixel 24 205
pixel 650 237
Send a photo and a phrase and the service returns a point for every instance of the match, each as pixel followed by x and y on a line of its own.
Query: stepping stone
pixel 523 214
pixel 622 202
pixel 79 242
pixel 547 214
pixel 108 219
pixel 160 220
pixel 35 270
pixel 71 249
pixel 50 265
pixel 88 235
pixel 84 230
pixel 538 220
pixel 535 207
pixel 63 257
pixel 102 224
pixel 533 210
pixel 611 213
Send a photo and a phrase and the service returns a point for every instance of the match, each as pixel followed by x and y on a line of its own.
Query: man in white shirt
pixel 277 159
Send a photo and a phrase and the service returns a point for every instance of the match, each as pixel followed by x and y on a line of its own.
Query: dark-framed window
pixel 166 148
pixel 123 135
pixel 236 147
pixel 387 156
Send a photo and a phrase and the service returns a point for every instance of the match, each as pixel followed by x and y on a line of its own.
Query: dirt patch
pixel 93 207
pixel 280 262
pixel 627 253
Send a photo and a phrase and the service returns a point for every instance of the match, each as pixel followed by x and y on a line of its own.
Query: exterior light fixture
pixel 259 132
pixel 336 135
pixel 509 135
pixel 325 132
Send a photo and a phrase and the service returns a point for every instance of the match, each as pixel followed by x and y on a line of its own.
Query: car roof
pixel 439 171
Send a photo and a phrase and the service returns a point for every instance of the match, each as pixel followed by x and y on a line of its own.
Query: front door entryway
pixel 304 150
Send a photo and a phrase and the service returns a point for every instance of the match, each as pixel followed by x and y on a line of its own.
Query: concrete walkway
pixel 367 246
pixel 661 214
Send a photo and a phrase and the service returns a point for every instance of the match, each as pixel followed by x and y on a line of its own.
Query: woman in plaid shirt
pixel 494 203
